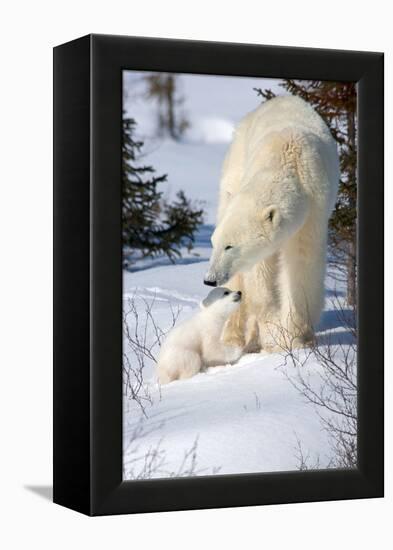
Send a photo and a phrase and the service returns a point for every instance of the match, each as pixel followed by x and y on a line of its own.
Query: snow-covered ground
pixel 231 419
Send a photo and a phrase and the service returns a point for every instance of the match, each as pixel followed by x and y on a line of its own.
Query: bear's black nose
pixel 210 283
pixel 239 293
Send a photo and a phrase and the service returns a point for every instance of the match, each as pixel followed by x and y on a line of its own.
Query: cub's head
pixel 222 300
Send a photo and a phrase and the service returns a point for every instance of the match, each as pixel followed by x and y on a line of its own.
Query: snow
pixel 212 130
pixel 235 419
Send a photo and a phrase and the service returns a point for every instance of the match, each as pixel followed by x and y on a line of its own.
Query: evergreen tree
pixel 150 224
pixel 164 89
pixel 336 103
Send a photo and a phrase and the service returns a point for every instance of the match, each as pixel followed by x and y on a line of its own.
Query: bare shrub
pixel 153 463
pixel 332 388
pixel 303 458
pixel 143 338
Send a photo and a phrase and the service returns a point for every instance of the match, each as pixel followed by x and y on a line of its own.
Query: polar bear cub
pixel 195 344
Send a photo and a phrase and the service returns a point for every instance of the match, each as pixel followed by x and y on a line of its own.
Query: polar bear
pixel 278 187
pixel 195 344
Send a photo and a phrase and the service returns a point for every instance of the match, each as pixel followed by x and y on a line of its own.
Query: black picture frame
pixel 88 275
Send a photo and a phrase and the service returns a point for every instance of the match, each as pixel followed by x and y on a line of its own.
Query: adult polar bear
pixel 278 187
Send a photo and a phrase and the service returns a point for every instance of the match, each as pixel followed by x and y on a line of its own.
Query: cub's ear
pixel 271 215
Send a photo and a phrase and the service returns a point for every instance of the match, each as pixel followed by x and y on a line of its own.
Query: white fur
pixel 279 184
pixel 195 344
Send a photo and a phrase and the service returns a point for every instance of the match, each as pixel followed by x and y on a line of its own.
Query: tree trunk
pixel 351 272
pixel 170 106
pixel 352 259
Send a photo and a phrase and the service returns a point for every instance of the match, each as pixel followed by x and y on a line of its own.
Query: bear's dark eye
pixel 226 293
pixel 228 247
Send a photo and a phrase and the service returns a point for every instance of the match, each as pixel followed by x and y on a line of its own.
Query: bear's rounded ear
pixel 271 215
pixel 202 304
